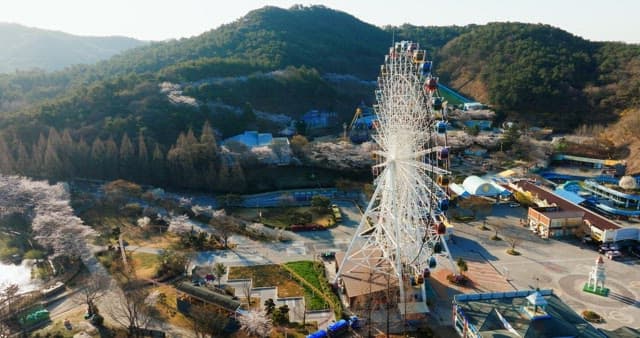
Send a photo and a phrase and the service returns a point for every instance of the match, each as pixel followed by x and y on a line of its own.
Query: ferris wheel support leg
pixel 364 223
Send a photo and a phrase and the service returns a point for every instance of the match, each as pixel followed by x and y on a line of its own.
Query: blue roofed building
pixel 525 313
pixel 319 119
pixel 268 149
pixel 252 139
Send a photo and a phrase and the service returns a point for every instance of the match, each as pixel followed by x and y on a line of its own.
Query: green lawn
pixel 313 272
pixel 280 217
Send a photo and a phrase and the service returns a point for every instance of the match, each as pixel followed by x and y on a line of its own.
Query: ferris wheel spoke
pixel 402 225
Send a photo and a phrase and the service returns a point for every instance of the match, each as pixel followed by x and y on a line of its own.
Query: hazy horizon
pixel 156 21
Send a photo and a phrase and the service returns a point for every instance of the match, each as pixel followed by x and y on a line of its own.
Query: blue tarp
pixel 570 196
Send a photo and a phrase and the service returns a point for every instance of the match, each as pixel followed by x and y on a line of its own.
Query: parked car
pixel 614 254
pixel 604 248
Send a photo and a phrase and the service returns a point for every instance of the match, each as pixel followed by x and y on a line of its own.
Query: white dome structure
pixel 478 186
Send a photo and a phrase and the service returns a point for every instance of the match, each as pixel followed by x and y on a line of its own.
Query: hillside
pixel 624 133
pixel 275 62
pixel 25 48
pixel 542 75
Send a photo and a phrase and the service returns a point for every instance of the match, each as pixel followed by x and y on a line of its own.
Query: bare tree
pixel 246 291
pixel 7 300
pixel 93 288
pixel 208 321
pixel 513 241
pixel 497 228
pixel 224 226
pixel 131 309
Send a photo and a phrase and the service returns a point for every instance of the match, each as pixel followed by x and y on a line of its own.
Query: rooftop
pixel 357 278
pixel 594 219
pixel 501 314
pixel 209 296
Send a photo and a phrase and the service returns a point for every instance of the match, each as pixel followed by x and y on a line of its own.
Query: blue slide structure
pixel 453 93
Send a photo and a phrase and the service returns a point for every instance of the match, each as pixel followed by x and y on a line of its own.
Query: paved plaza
pixel 561 265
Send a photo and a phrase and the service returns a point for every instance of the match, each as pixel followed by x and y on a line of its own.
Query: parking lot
pixel 562 265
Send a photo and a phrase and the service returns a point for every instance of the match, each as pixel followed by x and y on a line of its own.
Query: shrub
pixel 591 316
pixel 513 252
pixel 457 279
pixel 97 320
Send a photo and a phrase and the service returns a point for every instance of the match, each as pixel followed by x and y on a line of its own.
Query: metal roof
pixel 209 296
pixel 569 196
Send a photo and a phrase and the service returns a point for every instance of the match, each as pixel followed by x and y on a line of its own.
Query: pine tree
pixel 98 157
pixel 238 181
pixel 52 165
pixel 6 159
pixel 126 160
pixel 158 166
pixel 111 158
pixel 23 160
pixel 142 166
pixel 66 151
pixel 81 158
pixel 37 156
pixel 208 137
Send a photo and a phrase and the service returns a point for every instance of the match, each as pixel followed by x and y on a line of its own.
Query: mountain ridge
pixel 25 48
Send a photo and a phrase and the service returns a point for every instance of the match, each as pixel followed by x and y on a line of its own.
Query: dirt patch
pixel 268 276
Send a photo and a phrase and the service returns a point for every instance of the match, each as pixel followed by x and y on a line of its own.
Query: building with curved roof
pixel 478 186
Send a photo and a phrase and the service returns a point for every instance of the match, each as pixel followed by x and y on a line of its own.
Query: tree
pixel 208 321
pixel 320 203
pixel 131 309
pixel 513 241
pixel 98 157
pixel 174 262
pixel 246 290
pixel 280 315
pixel 248 115
pixel 126 157
pixel 462 265
pixel 498 228
pixel 208 138
pixel 143 158
pixel 269 306
pixel 219 270
pixel 298 144
pixel 7 300
pixel 256 323
pixel 93 288
pixel 301 127
pixel 111 158
pixel 224 226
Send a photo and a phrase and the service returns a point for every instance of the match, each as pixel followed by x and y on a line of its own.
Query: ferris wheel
pixel 405 224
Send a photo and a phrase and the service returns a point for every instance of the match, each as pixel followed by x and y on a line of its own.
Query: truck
pixel 338 328
pixel 335 210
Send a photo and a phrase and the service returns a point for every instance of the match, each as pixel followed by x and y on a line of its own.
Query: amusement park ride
pixel 404 225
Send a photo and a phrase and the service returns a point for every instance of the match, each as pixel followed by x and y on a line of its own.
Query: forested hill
pixel 543 75
pixel 281 60
pixel 25 48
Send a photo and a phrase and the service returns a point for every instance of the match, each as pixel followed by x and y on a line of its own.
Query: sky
pixel 614 20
